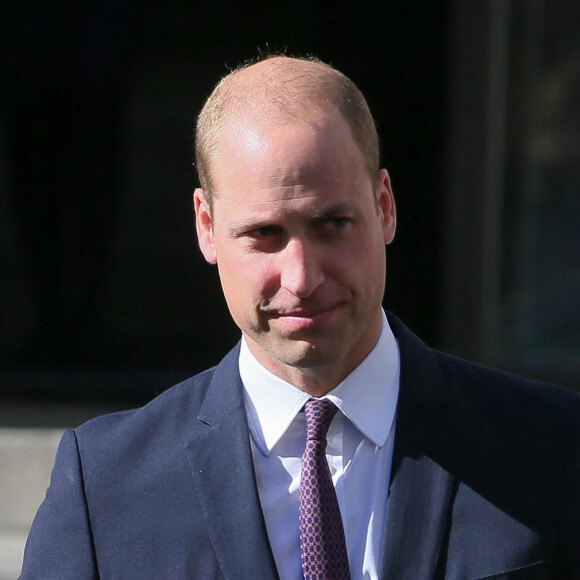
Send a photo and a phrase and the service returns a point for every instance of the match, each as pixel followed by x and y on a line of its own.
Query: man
pixel 442 469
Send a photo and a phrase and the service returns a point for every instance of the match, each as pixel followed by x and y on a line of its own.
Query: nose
pixel 300 272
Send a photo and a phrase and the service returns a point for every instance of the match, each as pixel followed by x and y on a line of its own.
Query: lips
pixel 304 318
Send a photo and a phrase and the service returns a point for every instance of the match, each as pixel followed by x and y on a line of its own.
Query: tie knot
pixel 319 414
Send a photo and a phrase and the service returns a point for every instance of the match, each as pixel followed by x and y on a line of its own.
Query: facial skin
pixel 298 231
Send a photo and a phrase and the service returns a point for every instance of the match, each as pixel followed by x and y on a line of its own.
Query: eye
pixel 338 223
pixel 265 238
pixel 264 232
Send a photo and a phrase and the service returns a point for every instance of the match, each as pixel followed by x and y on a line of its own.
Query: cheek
pixel 248 280
pixel 362 264
pixel 358 255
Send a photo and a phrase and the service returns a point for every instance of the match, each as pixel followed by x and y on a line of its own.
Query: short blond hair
pixel 287 87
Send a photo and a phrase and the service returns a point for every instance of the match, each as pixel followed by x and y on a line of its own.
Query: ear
pixel 386 205
pixel 203 225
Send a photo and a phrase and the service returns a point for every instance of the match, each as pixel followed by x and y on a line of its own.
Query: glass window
pixel 539 316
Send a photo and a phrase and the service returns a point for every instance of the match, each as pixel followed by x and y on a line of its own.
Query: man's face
pixel 298 232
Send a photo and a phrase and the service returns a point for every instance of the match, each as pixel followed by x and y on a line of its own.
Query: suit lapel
pixel 222 466
pixel 425 457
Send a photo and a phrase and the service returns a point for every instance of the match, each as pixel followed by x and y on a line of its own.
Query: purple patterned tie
pixel 322 544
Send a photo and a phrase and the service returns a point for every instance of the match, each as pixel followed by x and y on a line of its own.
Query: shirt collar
pixel 368 396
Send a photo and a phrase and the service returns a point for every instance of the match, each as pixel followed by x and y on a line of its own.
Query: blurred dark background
pixel 104 295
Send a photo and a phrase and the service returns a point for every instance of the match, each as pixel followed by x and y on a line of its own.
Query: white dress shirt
pixel 359 453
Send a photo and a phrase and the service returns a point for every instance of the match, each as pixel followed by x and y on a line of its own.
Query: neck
pixel 316 380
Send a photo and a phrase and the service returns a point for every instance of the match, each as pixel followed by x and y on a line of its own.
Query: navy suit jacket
pixel 485 483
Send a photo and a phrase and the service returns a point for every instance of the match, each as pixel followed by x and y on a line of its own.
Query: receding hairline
pixel 282 88
pixel 282 83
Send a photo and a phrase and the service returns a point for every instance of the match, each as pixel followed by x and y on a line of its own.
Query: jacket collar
pixel 426 452
pixel 221 464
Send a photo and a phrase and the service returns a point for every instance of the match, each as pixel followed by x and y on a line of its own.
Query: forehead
pixel 257 153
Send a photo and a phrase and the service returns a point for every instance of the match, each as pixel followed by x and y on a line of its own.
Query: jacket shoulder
pixel 479 383
pixel 185 398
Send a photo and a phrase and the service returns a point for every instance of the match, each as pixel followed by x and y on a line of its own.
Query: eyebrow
pixel 333 210
pixel 250 223
pixel 238 229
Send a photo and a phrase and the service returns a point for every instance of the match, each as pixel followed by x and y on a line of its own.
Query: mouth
pixel 302 319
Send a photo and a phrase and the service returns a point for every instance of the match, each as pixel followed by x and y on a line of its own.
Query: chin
pixel 306 356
